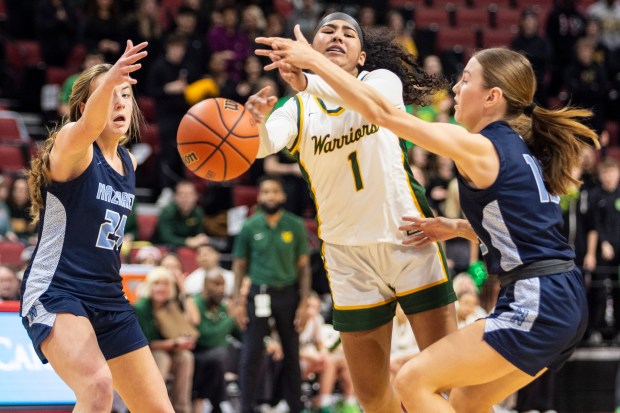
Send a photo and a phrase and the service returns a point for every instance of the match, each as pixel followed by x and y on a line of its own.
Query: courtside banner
pixel 24 380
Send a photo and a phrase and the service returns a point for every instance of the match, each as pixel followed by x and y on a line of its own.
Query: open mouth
pixel 335 49
pixel 119 119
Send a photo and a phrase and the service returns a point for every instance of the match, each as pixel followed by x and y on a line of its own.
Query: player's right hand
pixel 260 104
pixel 128 63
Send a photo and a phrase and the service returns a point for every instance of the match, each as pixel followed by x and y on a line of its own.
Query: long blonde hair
pixel 555 137
pixel 39 174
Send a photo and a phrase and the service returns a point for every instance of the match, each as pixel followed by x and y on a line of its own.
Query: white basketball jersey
pixel 357 172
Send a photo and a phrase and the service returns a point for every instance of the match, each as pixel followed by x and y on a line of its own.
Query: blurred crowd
pixel 200 49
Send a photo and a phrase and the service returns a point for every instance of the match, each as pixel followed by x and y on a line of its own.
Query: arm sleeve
pixel 382 80
pixel 279 130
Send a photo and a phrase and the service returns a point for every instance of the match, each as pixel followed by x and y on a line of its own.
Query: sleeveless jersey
pixel 516 219
pixel 80 235
pixel 357 172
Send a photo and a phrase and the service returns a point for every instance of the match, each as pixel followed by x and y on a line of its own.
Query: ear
pixel 494 97
pixel 362 59
pixel 81 106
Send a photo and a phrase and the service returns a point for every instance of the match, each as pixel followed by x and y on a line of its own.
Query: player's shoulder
pixel 379 73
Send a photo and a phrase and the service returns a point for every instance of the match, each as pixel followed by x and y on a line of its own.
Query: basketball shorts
pixel 538 322
pixel 118 332
pixel 367 281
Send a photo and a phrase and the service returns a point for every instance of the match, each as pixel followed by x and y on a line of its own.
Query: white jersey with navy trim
pixel 357 172
pixel 81 232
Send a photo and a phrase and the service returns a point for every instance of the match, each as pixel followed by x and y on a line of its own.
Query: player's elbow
pixel 376 114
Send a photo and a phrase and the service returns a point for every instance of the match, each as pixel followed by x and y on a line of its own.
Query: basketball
pixel 218 139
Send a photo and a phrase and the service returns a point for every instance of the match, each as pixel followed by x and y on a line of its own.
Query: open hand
pixel 260 104
pixel 425 231
pixel 296 53
pixel 128 63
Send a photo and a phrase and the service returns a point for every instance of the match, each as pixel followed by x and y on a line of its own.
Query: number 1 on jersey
pixel 355 167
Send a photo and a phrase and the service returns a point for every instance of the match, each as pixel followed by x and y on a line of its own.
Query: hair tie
pixel 529 109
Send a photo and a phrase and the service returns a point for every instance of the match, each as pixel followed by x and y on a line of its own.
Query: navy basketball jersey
pixel 516 219
pixel 80 234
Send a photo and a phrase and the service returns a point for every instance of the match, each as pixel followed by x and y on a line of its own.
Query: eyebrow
pixel 344 27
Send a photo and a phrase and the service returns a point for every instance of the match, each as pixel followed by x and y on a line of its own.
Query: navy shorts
pixel 538 322
pixel 118 332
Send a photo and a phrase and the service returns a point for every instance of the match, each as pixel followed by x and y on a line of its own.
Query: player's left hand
pixel 297 53
pixel 425 231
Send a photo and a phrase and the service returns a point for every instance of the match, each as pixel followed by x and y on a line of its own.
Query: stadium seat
pixel 497 38
pixel 76 57
pixel 188 258
pixel 11 159
pixel 11 252
pixel 146 226
pixel 244 195
pixel 612 127
pixel 425 17
pixel 466 17
pixel 12 128
pixel 147 106
pixel 451 38
pixel 57 75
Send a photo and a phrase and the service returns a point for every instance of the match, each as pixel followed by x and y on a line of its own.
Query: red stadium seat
pixel 57 75
pixel 499 37
pixel 451 38
pixel 146 226
pixel 11 252
pixel 12 128
pixel 11 159
pixel 147 106
pixel 471 17
pixel 150 134
pixel 425 17
pixel 188 258
pixel 244 195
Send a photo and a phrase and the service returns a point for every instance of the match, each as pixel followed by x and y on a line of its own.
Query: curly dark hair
pixel 382 52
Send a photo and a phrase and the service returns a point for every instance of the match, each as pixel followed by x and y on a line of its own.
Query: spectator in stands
pixel 253 22
pixel 231 39
pixel 602 54
pixel 143 25
pixel 275 25
pixel 317 359
pixel 56 30
pixel 148 255
pixel 306 14
pixel 439 178
pixel 102 29
pixel 186 26
pixel 272 250
pixel 579 223
pixel 466 307
pixel 6 233
pixel 9 283
pixel 608 12
pixel 586 83
pixel 605 201
pixel 168 79
pixel 536 48
pixel 18 202
pixel 565 25
pixel 250 78
pixel 169 327
pixel 214 355
pixel 396 23
pixel 367 17
pixel 284 166
pixel 208 259
pixel 463 283
pixel 180 222
pixel 92 57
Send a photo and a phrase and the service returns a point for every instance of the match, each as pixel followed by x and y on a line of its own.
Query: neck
pixel 484 121
pixel 273 219
pixel 108 147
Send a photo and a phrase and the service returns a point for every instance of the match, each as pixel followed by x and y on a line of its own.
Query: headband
pixel 346 18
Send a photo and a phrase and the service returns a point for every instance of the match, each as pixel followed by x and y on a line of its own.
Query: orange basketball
pixel 217 139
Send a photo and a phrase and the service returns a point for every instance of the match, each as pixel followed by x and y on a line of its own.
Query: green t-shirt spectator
pixel 272 253
pixel 174 228
pixel 215 324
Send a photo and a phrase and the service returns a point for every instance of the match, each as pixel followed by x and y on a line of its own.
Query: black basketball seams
pixel 223 139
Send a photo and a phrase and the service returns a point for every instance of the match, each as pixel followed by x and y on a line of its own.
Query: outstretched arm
pixel 75 139
pixel 428 230
pixel 469 151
